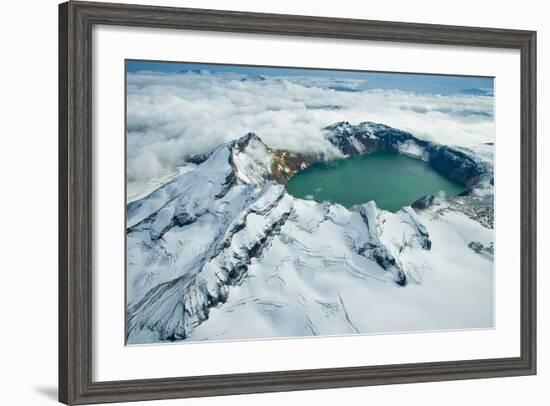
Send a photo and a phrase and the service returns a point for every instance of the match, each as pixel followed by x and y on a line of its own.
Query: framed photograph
pixel 258 202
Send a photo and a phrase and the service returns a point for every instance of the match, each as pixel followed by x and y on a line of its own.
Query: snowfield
pixel 222 251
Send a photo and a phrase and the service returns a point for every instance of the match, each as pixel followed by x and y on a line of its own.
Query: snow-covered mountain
pixel 223 252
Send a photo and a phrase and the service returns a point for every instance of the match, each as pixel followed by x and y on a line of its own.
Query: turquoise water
pixel 390 179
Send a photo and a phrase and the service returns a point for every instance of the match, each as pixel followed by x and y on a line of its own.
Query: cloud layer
pixel 174 115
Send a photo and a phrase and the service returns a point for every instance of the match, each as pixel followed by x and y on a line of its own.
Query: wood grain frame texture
pixel 76 20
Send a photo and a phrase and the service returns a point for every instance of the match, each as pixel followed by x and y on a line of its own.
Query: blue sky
pixel 411 82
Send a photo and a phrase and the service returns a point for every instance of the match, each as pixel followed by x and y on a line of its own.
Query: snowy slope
pixel 223 252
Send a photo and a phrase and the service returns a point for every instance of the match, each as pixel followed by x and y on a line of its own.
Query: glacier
pixel 222 251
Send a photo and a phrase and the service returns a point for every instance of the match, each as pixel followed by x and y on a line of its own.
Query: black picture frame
pixel 76 20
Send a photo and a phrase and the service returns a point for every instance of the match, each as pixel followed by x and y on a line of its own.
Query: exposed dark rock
pixel 182 219
pixel 475 246
pixel 478 208
pixel 199 158
pixel 424 202
pixel 286 164
pixel 243 142
pixel 455 165
pixel 230 180
pixel 372 137
pixel 368 137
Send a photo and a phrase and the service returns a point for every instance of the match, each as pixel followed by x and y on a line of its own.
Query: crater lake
pixel 390 179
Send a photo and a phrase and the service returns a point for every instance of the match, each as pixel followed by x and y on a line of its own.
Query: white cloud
pixel 171 116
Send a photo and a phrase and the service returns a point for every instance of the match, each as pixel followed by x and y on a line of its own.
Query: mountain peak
pixel 247 139
pixel 251 159
pixel 338 126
